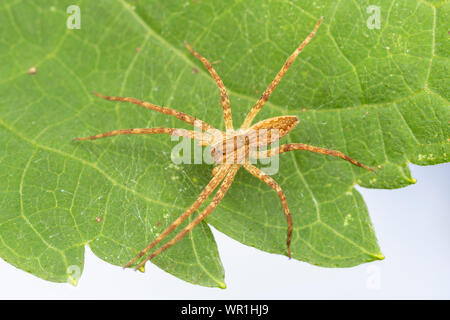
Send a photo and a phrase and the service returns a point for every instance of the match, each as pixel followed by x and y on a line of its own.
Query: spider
pixel 225 171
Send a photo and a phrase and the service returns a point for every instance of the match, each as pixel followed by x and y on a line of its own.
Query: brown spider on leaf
pixel 221 143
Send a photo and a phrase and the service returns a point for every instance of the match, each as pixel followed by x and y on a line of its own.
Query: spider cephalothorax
pixel 230 150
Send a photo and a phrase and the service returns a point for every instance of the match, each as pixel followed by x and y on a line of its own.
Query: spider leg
pixel 178 114
pixel 212 205
pixel 223 91
pixel 300 146
pixel 265 96
pixel 203 196
pixel 258 173
pixel 215 170
pixel 202 137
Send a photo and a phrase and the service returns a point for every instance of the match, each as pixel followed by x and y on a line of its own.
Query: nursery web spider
pixel 227 168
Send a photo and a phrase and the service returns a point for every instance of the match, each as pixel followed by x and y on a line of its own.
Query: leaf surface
pixel 378 95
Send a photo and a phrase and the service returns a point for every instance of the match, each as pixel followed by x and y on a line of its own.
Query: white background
pixel 412 225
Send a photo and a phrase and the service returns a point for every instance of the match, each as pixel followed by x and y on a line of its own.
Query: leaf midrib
pixel 86 163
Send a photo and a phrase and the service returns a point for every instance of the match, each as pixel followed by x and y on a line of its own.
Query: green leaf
pixel 378 95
